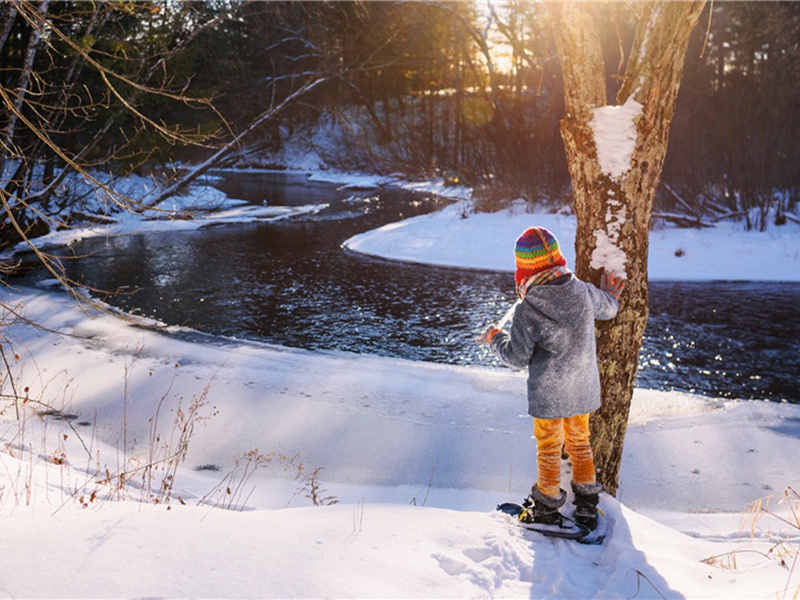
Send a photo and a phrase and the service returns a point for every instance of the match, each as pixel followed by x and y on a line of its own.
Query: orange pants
pixel 551 435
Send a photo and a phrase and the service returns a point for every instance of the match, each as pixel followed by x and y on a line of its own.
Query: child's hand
pixel 488 334
pixel 611 284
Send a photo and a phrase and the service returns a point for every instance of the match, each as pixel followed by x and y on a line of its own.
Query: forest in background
pixel 470 91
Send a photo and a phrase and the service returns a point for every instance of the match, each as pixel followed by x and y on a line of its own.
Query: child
pixel 552 334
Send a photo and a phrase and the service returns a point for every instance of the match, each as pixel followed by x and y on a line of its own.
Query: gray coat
pixel 552 334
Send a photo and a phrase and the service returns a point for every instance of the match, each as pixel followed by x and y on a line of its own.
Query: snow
pixel 607 255
pixel 202 206
pixel 615 136
pixel 459 237
pixel 387 433
pixel 417 454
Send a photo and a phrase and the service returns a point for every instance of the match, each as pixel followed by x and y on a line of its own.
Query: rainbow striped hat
pixel 536 250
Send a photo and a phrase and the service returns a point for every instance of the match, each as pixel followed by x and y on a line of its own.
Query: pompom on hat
pixel 536 250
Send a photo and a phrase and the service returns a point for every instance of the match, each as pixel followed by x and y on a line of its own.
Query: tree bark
pixel 613 204
pixel 9 14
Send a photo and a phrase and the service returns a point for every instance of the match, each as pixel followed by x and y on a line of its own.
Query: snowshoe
pixel 543 509
pixel 563 528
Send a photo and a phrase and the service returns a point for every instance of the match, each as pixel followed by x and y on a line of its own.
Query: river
pixel 290 282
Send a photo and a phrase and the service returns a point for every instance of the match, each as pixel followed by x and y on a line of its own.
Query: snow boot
pixel 587 496
pixel 541 508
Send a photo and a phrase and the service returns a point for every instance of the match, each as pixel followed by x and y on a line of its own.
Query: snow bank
pixel 349 551
pixel 389 434
pixel 202 206
pixel 458 237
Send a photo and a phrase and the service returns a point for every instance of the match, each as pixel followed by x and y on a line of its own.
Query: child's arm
pixel 515 348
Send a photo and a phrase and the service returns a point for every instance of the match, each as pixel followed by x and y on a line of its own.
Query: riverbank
pixel 416 454
pixel 457 236
pixel 726 252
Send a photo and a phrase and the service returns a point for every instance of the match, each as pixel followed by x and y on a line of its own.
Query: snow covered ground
pixel 416 454
pixel 456 236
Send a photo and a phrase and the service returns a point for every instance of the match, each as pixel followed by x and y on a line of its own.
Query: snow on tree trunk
pixel 615 156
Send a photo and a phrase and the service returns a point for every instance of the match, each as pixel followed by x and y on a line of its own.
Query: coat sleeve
pixel 604 303
pixel 515 348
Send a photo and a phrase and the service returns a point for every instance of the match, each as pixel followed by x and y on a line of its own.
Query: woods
pixel 470 91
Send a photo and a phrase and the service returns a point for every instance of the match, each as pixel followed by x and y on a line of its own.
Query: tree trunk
pixel 9 14
pixel 613 195
pixel 24 79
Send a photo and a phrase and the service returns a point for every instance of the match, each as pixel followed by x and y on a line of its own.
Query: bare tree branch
pixel 265 116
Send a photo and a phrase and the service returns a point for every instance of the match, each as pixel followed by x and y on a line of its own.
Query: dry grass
pixel 234 490
pixel 37 431
pixel 781 509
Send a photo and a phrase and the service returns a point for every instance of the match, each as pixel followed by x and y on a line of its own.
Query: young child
pixel 553 335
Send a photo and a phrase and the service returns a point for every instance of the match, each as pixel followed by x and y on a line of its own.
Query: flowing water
pixel 290 283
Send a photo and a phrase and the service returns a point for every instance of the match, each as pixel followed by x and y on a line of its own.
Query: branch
pixel 39 133
pixel 38 21
pixel 577 40
pixel 194 173
pixel 792 218
pixel 695 211
pixel 679 219
pixel 45 260
pixel 518 45
pixel 655 48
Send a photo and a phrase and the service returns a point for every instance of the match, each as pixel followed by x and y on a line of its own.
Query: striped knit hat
pixel 536 251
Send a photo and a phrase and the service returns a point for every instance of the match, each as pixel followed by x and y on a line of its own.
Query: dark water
pixel 290 283
pixel 738 340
